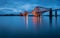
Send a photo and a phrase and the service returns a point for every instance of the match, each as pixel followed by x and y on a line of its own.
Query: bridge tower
pixel 25 13
pixel 50 12
pixel 36 11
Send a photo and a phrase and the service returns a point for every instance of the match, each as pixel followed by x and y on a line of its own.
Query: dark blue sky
pixel 12 6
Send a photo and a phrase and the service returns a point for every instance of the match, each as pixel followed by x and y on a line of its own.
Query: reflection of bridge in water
pixel 38 21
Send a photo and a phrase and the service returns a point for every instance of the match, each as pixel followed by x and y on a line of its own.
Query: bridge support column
pixel 50 16
pixel 50 12
pixel 55 13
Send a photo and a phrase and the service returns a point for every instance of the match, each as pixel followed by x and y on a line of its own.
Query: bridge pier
pixel 50 12
pixel 55 13
pixel 50 16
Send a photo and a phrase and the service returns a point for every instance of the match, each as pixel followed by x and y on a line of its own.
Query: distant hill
pixel 8 11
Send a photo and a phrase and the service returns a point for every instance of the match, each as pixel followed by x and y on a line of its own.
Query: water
pixel 29 27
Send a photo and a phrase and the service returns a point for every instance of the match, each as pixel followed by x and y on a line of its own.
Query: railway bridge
pixel 38 11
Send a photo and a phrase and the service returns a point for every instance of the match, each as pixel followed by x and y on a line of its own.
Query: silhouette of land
pixel 21 15
pixel 9 15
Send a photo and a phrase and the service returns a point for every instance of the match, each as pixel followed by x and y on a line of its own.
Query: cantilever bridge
pixel 40 10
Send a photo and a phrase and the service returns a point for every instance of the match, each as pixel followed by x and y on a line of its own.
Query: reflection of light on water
pixel 36 22
pixel 26 21
pixel 40 19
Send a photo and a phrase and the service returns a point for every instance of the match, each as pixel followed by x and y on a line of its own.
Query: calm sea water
pixel 29 27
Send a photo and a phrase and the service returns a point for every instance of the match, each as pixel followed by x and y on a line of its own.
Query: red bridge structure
pixel 38 11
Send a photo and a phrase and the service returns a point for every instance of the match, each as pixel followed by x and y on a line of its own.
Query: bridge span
pixel 38 11
pixel 41 10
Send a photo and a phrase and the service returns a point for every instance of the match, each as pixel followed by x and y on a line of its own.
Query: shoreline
pixel 28 15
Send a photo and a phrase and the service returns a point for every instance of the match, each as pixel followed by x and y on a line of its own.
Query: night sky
pixel 17 6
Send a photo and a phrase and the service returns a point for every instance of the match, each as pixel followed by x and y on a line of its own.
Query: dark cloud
pixel 27 4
